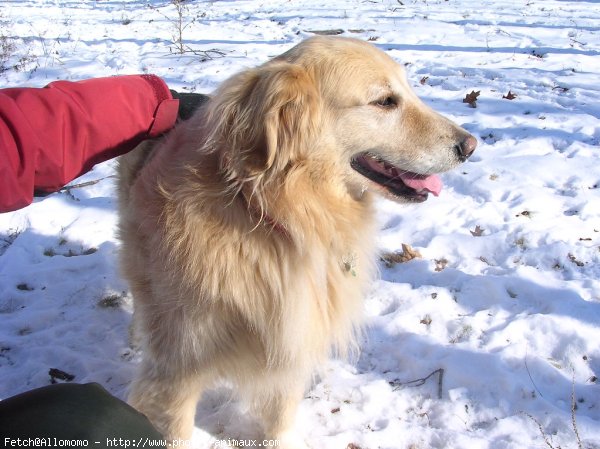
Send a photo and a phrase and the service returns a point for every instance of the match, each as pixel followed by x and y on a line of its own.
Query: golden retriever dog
pixel 247 233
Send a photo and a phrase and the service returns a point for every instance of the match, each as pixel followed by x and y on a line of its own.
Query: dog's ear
pixel 267 118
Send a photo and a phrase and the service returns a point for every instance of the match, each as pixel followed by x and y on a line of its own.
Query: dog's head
pixel 337 99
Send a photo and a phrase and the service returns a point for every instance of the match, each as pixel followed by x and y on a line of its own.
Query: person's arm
pixel 51 135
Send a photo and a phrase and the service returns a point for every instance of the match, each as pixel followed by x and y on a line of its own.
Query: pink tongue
pixel 432 183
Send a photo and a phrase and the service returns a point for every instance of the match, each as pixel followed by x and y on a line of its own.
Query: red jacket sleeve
pixel 51 135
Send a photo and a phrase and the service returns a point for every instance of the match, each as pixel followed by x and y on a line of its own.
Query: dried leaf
pixel 56 373
pixel 424 80
pixel 408 253
pixel 110 301
pixel 510 95
pixel 573 259
pixel 440 264
pixel 352 446
pixel 471 99
pixel 478 232
pixel 426 321
pixel 537 54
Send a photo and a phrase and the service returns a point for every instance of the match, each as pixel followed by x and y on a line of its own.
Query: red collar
pixel 275 225
pixel 263 218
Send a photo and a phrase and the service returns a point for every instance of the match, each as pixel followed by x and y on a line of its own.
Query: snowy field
pixel 499 316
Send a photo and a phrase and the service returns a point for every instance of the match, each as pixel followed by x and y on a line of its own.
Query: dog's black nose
pixel 466 147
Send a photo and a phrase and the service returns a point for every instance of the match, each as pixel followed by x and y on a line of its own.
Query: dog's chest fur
pixel 299 293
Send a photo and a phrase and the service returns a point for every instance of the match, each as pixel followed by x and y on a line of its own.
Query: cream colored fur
pixel 248 238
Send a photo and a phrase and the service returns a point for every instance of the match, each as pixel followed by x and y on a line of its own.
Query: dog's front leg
pixel 277 409
pixel 169 402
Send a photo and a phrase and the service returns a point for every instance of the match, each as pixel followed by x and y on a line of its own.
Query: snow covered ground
pixel 505 298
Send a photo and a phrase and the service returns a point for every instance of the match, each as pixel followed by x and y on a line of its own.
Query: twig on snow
pixel 531 378
pixel 418 382
pixel 84 184
pixel 573 408
pixel 542 432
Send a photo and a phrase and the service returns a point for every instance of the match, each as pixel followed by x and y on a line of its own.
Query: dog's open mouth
pixel 399 182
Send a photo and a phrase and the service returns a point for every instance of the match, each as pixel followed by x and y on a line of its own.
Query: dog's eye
pixel 388 102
